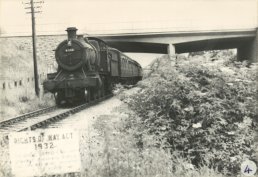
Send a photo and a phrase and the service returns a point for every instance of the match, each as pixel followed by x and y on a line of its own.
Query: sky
pixel 123 16
pixel 112 16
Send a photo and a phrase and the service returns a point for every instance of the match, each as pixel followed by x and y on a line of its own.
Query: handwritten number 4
pixel 247 169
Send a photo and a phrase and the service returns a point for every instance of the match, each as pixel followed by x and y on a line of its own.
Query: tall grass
pixel 17 64
pixel 22 100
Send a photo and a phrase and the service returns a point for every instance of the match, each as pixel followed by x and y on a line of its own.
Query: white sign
pixel 54 151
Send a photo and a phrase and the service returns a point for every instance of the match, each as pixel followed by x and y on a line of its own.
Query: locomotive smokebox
pixel 71 33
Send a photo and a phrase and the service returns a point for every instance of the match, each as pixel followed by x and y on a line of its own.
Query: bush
pixel 202 109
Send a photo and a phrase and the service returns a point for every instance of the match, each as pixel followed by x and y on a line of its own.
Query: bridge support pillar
pixel 255 47
pixel 171 49
pixel 249 50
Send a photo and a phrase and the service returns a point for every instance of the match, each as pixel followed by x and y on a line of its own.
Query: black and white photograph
pixel 128 88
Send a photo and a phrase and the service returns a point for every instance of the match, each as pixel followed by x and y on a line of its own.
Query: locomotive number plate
pixel 69 50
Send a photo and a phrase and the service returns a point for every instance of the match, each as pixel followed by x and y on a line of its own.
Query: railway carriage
pixel 87 69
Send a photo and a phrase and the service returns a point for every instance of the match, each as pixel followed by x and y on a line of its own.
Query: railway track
pixel 42 118
pixel 10 122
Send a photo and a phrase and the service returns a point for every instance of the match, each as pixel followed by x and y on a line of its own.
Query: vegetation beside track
pixel 194 117
pixel 123 150
pixel 17 65
pixel 203 107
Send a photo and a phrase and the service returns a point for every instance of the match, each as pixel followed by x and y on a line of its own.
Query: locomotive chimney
pixel 71 33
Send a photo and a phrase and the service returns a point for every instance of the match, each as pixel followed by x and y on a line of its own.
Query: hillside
pixel 14 60
pixel 16 55
pixel 17 65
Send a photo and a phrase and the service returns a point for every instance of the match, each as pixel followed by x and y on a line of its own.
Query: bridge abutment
pixel 249 49
pixel 255 47
pixel 245 52
pixel 171 50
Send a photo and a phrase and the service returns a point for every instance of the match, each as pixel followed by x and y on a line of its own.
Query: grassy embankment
pixel 16 65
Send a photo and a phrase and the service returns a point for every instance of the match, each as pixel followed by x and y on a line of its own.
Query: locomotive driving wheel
pixel 95 94
pixel 59 98
pixel 92 94
pixel 102 88
pixel 98 94
pixel 102 91
pixel 88 95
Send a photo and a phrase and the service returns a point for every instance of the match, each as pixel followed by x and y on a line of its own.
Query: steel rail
pixel 50 120
pixel 24 116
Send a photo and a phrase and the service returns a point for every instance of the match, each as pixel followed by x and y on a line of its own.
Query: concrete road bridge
pixel 244 40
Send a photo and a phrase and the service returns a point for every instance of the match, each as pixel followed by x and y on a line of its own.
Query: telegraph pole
pixel 32 12
pixel 34 49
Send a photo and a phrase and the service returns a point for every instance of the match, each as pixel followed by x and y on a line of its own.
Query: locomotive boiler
pixel 87 69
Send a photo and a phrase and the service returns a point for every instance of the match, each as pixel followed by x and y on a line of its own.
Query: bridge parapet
pixel 244 40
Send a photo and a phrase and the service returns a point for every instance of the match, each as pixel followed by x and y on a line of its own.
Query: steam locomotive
pixel 87 69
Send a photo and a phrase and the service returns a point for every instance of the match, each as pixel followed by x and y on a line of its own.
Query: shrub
pixel 202 109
